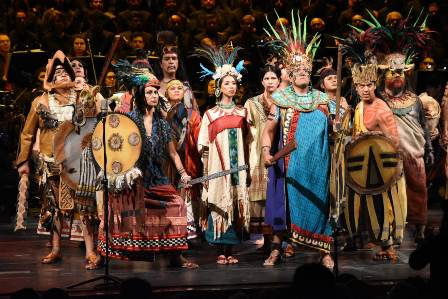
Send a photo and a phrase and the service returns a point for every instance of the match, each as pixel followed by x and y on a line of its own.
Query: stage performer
pixel 415 142
pixel 169 68
pixel 258 109
pixel 47 113
pixel 222 145
pixel 328 83
pixel 185 123
pixel 146 213
pixel 376 200
pixel 298 184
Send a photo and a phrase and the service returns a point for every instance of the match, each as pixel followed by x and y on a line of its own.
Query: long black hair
pixel 140 101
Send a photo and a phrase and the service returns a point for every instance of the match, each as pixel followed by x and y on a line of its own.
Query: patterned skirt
pixel 142 222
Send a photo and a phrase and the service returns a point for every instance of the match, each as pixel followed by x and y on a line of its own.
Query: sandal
pixel 327 261
pixel 274 258
pixel 51 258
pixel 232 260
pixel 289 251
pixel 93 261
pixel 222 260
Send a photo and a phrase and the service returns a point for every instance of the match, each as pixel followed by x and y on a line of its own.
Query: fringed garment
pixel 382 215
pixel 150 217
pixel 298 187
pixel 47 114
pixel 226 199
pixel 257 117
pixel 414 141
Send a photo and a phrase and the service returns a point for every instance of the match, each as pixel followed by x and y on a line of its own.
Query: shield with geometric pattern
pixel 373 163
pixel 123 144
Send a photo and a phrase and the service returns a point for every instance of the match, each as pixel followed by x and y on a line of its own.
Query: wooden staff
pixel 115 43
pixel 92 61
pixel 339 82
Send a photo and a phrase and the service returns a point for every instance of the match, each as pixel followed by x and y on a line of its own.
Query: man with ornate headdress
pixel 298 188
pixel 398 45
pixel 47 114
pixel 376 199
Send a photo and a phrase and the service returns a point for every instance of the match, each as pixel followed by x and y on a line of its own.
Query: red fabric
pixel 224 122
pixel 292 132
pixel 139 218
pixel 193 164
pixel 414 171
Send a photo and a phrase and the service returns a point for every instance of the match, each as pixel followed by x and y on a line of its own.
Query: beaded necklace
pixel 227 106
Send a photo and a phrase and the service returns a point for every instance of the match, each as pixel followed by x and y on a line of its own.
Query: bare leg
pixel 93 259
pixel 326 260
pixel 275 256
pixel 55 253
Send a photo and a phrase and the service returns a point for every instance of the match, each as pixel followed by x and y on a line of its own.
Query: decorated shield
pixel 69 144
pixel 123 144
pixel 373 163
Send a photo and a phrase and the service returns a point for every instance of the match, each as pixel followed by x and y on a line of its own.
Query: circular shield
pixel 69 143
pixel 373 163
pixel 123 143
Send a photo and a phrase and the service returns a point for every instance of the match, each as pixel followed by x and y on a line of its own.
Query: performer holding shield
pixel 376 200
pixel 48 112
pixel 146 214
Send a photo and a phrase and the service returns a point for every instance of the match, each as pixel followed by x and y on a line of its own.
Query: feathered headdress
pixel 223 59
pixel 292 43
pixel 396 45
pixel 364 65
pixel 131 76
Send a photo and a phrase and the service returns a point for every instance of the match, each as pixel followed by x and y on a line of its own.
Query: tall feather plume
pixel 292 41
pixel 218 57
pixel 407 38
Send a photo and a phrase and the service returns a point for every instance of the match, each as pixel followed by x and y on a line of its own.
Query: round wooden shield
pixel 69 142
pixel 123 143
pixel 373 163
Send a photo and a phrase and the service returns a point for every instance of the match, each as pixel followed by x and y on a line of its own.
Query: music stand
pixel 108 280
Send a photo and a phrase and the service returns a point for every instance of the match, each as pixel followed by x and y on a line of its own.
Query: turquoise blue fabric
pixel 230 237
pixel 233 155
pixel 307 175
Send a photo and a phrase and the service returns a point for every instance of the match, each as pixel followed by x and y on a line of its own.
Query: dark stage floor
pixel 20 267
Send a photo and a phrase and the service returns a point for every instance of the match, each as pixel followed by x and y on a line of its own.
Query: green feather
pixel 304 30
pixel 372 25
pixel 423 25
pixel 355 28
pixel 281 24
pixel 300 26
pixel 294 32
pixel 377 23
pixel 277 36
pixel 418 19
